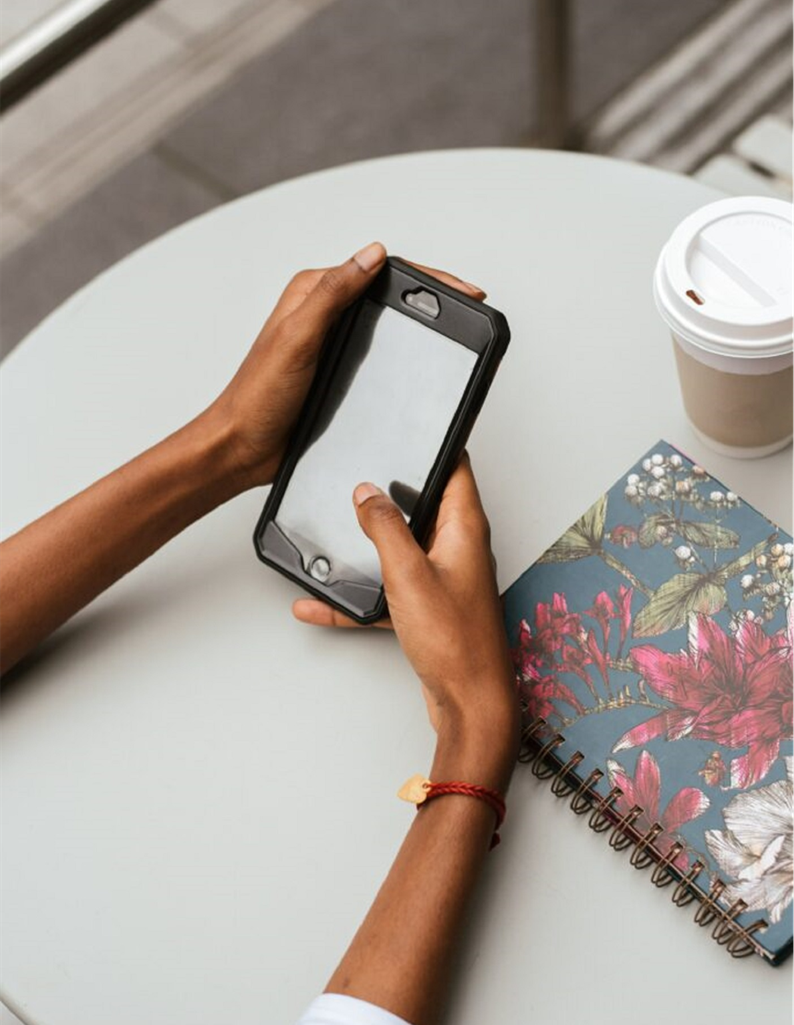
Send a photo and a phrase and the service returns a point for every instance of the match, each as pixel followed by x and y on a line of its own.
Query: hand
pixel 444 607
pixel 258 409
pixel 445 610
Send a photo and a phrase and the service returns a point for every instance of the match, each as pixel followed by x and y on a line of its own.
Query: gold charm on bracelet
pixel 415 789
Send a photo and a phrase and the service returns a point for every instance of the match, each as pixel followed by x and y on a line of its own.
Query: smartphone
pixel 399 385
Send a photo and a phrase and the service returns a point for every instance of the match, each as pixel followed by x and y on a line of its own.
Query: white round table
pixel 198 792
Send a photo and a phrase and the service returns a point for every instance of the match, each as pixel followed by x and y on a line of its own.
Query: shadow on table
pixel 103 622
pixel 24 676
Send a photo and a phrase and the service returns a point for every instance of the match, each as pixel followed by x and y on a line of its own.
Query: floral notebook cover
pixel 655 637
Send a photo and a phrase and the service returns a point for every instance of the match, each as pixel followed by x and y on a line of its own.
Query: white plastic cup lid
pixel 723 280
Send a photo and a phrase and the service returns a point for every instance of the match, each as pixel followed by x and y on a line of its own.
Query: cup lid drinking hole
pixel 723 280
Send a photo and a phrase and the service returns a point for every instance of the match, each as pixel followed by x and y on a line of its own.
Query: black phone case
pixel 461 320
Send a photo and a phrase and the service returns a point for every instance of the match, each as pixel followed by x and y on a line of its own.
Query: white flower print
pixel 754 852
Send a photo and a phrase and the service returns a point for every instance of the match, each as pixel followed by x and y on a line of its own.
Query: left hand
pixel 259 407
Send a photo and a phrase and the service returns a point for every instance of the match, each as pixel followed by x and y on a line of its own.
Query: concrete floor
pixel 349 80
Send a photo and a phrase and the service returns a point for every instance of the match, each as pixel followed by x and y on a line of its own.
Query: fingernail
pixel 365 491
pixel 471 287
pixel 370 256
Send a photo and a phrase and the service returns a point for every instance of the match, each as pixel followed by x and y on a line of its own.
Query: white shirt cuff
pixel 335 1009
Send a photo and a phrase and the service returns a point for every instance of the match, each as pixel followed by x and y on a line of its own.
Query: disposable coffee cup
pixel 723 286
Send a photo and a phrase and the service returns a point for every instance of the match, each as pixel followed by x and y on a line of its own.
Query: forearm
pixel 401 956
pixel 60 562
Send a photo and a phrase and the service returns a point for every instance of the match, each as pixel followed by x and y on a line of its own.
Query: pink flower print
pixel 734 691
pixel 623 535
pixel 602 611
pixel 539 695
pixel 624 596
pixel 644 789
pixel 553 623
pixel 597 655
pixel 574 658
pixel 537 688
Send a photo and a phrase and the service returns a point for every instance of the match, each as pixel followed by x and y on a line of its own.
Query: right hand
pixel 444 607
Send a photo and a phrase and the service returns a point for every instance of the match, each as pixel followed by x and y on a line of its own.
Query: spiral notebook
pixel 653 652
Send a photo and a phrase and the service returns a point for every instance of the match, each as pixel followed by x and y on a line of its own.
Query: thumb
pixel 385 526
pixel 338 287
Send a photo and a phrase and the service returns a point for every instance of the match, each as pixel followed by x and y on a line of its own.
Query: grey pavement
pixel 137 203
pixel 356 80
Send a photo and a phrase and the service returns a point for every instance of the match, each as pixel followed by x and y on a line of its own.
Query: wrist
pixel 481 749
pixel 233 465
pixel 485 716
pixel 213 449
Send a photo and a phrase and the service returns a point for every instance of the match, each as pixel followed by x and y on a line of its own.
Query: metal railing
pixel 555 128
pixel 52 43
pixel 74 27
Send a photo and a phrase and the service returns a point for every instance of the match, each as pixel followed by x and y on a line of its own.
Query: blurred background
pixel 123 118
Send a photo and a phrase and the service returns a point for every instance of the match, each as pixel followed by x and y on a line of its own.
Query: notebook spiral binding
pixel 537 750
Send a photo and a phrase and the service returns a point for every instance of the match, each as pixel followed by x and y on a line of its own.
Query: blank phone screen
pixel 392 399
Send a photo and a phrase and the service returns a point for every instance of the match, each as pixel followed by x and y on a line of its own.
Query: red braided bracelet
pixel 418 790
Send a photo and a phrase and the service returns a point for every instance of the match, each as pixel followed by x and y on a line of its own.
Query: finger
pixel 300 335
pixel 462 528
pixel 452 280
pixel 461 497
pixel 459 501
pixel 317 613
pixel 385 526
pixel 336 289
